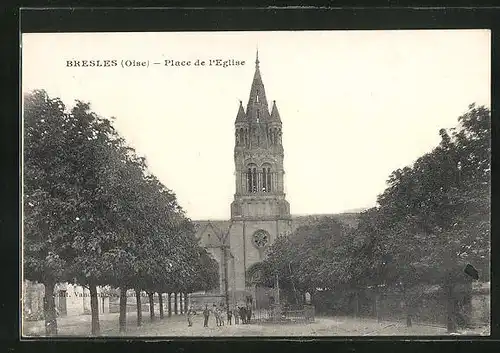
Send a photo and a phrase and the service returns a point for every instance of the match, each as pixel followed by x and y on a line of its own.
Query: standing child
pixel 189 316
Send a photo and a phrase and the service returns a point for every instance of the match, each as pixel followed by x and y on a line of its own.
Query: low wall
pixel 428 306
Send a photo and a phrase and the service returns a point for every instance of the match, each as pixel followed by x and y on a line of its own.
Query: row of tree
pixel 432 220
pixel 94 215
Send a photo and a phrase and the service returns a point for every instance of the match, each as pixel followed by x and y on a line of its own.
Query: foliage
pixel 432 219
pixel 93 214
pixel 311 257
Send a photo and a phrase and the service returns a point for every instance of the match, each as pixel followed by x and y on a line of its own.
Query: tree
pixel 69 182
pixel 95 215
pixel 314 256
pixel 430 221
pixel 95 151
pixel 433 218
pixel 48 196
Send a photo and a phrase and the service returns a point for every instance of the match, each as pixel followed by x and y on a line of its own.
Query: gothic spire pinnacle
pixel 275 115
pixel 240 117
pixel 257 108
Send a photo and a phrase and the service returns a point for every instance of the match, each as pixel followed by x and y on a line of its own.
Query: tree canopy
pixel 93 214
pixel 431 220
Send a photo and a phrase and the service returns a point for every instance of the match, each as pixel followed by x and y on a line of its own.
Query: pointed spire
pixel 240 117
pixel 257 108
pixel 275 115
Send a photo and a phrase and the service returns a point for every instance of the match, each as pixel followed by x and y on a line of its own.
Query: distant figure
pixel 249 314
pixel 206 315
pixel 236 316
pixel 243 315
pixel 221 315
pixel 229 316
pixel 189 316
pixel 217 315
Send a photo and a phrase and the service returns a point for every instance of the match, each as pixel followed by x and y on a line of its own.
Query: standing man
pixel 217 315
pixel 229 316
pixel 221 315
pixel 206 315
pixel 249 314
pixel 243 315
pixel 236 316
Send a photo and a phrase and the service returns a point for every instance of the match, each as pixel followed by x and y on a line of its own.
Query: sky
pixel 355 105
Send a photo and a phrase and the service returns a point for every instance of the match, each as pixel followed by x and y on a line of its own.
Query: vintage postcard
pixel 291 183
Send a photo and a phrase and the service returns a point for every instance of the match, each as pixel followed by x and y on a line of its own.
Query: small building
pixel 70 300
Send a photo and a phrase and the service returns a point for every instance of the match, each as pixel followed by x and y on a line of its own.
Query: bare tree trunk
pixel 160 303
pixel 377 304
pixel 94 308
pixel 450 308
pixel 408 316
pixel 151 306
pixel 123 309
pixel 356 304
pixel 181 303
pixel 49 309
pixel 169 303
pixel 468 304
pixel 186 304
pixel 139 306
pixel 407 305
pixel 175 304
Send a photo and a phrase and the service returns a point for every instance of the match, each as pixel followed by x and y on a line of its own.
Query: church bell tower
pixel 259 212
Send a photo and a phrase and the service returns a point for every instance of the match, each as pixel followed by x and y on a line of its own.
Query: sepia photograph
pixel 256 183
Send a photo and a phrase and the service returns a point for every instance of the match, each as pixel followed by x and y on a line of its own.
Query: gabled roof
pixel 218 227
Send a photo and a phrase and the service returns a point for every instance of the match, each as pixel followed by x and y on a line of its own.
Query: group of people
pixel 221 313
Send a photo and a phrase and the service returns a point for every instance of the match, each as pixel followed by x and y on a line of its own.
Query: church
pixel 259 212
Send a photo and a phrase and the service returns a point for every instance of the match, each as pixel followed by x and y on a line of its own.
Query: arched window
pixel 266 178
pixel 252 178
pixel 249 180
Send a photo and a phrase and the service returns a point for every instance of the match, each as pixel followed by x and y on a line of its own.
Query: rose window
pixel 260 238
